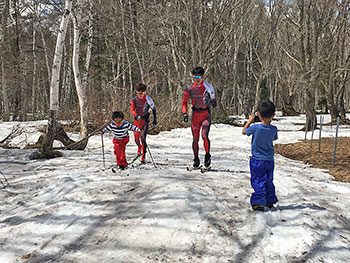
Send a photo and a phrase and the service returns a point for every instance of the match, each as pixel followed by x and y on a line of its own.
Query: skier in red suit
pixel 202 97
pixel 141 106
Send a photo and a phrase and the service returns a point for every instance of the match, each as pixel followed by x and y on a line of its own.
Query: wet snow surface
pixel 70 209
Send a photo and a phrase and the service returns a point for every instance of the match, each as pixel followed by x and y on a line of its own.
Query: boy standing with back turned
pixel 262 162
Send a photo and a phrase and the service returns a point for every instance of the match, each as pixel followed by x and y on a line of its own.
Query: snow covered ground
pixel 70 209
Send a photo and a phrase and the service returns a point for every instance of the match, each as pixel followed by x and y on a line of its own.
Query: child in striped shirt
pixel 120 129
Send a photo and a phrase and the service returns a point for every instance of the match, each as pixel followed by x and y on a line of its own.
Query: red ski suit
pixel 140 107
pixel 201 97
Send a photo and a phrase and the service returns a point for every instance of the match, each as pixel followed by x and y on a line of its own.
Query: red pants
pixel 140 138
pixel 200 119
pixel 119 150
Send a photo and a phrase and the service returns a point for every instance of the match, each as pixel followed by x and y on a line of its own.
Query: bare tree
pixel 336 61
pixel 3 48
pixel 81 80
pixel 53 125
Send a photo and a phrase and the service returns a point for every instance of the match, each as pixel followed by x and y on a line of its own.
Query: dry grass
pixel 303 152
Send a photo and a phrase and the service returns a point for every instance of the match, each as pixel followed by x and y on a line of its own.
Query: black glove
pixel 138 117
pixel 185 117
pixel 213 103
pixel 154 121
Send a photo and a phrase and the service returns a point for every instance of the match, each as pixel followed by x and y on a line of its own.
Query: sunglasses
pixel 140 92
pixel 118 122
pixel 197 77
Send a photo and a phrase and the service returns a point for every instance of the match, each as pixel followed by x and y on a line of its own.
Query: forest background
pixel 79 60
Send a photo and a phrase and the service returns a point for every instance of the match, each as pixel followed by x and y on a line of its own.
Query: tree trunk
pixel 81 89
pixel 67 74
pixel 34 83
pixel 134 27
pixel 126 45
pixel 235 85
pixel 257 93
pixel 288 109
pixel 88 49
pixel 5 99
pixel 331 104
pixel 310 108
pixel 219 96
pixel 341 99
pixel 286 98
pixel 46 53
pixel 342 104
pixel 52 129
pixel 191 18
pixel 18 101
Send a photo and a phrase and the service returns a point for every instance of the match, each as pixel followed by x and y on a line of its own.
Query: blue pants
pixel 262 182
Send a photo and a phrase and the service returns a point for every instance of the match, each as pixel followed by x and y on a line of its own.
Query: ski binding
pixel 205 169
pixel 192 168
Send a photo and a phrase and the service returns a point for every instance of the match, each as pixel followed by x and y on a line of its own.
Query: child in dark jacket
pixel 120 129
pixel 262 162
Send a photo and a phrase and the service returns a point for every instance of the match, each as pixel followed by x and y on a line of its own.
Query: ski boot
pixel 260 208
pixel 207 160
pixel 143 159
pixel 196 162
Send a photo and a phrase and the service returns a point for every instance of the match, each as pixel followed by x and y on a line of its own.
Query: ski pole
pixel 5 183
pixel 103 152
pixel 151 156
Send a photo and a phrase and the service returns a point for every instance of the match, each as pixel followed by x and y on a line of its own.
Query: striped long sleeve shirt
pixel 122 131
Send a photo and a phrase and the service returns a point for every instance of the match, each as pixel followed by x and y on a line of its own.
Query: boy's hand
pixel 250 121
pixel 213 103
pixel 185 117
pixel 251 118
